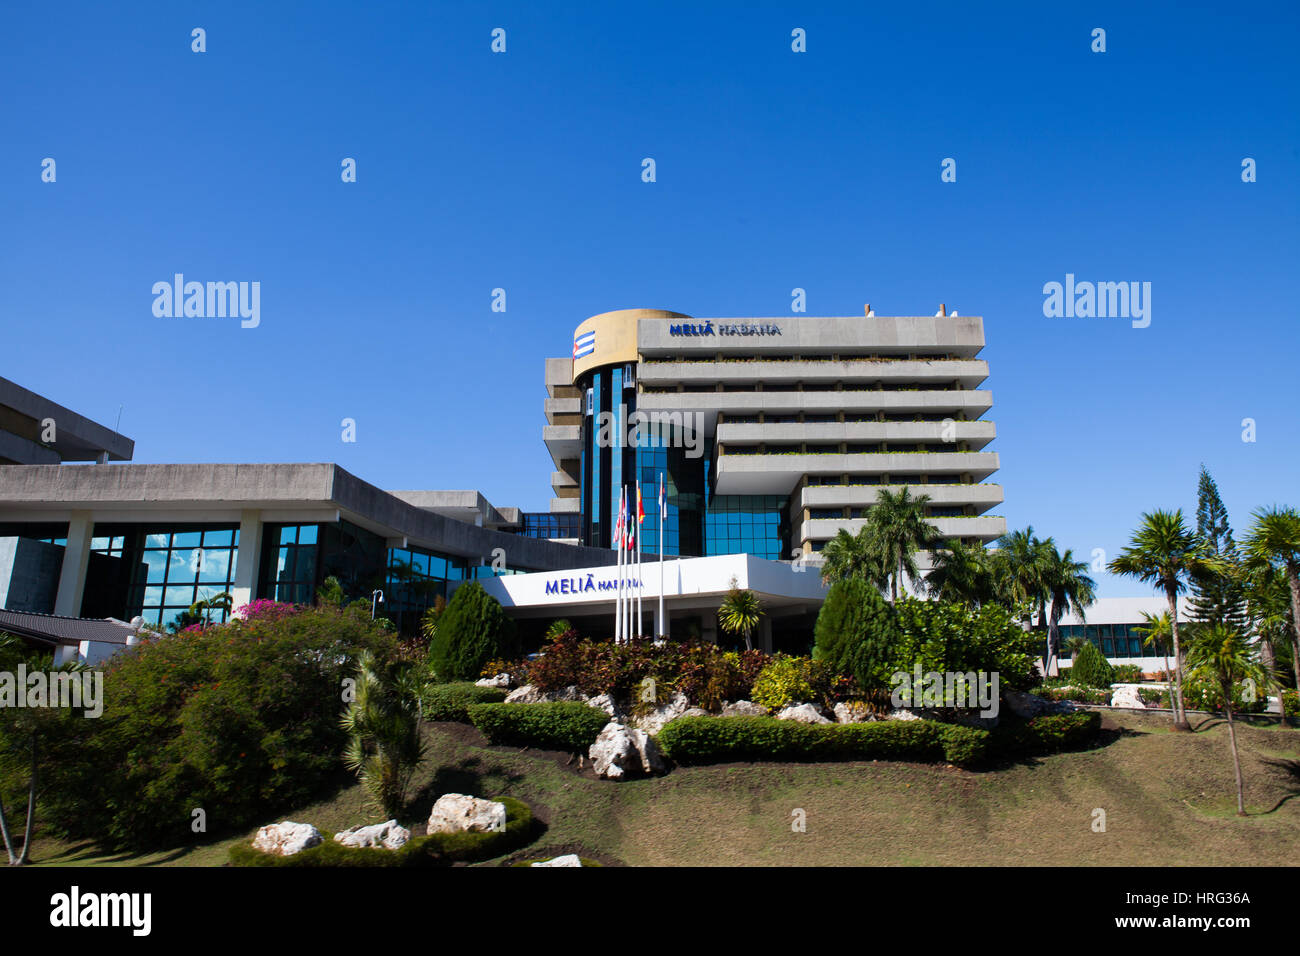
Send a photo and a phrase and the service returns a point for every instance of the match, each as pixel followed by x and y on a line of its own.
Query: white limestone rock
pixel 603 702
pixel 621 751
pixel 804 713
pixel 849 713
pixel 388 835
pixel 456 813
pixel 1126 695
pixel 901 713
pixel 654 721
pixel 500 680
pixel 743 708
pixel 569 859
pixel 286 838
pixel 528 694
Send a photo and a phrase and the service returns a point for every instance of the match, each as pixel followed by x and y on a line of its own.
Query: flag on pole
pixel 663 498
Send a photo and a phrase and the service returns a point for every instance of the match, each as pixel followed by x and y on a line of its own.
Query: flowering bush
pixel 264 609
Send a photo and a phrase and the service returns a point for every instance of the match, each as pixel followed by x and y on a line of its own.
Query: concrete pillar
pixel 247 560
pixel 76 555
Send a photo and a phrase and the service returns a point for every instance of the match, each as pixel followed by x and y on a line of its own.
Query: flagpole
pixel 640 629
pixel 663 509
pixel 618 585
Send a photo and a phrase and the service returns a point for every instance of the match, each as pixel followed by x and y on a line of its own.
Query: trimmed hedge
pixel 706 740
pixel 570 726
pixel 437 849
pixel 452 701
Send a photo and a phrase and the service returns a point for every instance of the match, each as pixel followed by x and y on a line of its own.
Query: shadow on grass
pixel 468 776
pixel 1292 769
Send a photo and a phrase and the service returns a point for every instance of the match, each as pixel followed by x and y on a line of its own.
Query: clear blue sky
pixel 775 170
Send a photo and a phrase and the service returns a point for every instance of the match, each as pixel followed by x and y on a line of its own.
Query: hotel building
pixel 773 433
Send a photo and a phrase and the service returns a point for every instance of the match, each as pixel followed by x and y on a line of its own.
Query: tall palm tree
pixel 1274 540
pixel 850 556
pixel 1220 654
pixel 897 529
pixel 740 612
pixel 962 573
pixel 1020 564
pixel 1164 553
pixel 1070 589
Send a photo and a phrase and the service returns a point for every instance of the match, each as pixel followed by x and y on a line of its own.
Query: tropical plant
pixel 1216 593
pixel 557 628
pixel 1274 540
pixel 1157 631
pixel 429 622
pixel 383 727
pixel 1221 654
pixel 962 573
pixel 331 592
pixel 1020 564
pixel 1164 553
pixel 897 529
pixel 1070 589
pixel 739 613
pixel 851 556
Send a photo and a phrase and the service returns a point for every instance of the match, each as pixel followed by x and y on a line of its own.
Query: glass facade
pixel 289 563
pixel 1114 640
pixel 749 524
pixel 544 524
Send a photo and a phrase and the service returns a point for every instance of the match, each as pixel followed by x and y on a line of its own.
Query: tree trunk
pixel 4 831
pixel 1180 712
pixel 31 811
pixel 1232 740
pixel 1293 579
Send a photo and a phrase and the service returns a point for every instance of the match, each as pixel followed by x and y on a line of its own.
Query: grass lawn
pixel 1168 798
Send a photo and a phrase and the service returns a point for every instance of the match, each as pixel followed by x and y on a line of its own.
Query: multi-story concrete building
pixel 774 433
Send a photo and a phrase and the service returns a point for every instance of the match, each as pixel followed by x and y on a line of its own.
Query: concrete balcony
pixel 970 404
pixel 566 506
pixel 981 497
pixel 563 442
pixel 970 373
pixel 559 378
pixel 974 434
pixel 778 474
pixel 564 411
pixel 564 484
pixel 984 527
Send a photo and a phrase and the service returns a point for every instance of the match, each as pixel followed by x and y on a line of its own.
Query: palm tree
pixel 1020 566
pixel 897 530
pixel 850 556
pixel 1157 632
pixel 962 573
pixel 1274 540
pixel 740 612
pixel 1071 589
pixel 1164 553
pixel 383 727
pixel 1220 654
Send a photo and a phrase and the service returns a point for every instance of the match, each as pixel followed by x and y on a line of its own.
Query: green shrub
pixel 855 633
pixel 954 638
pixel 1047 734
pixel 437 849
pixel 787 680
pixel 241 719
pixel 705 740
pixel 1090 668
pixel 452 701
pixel 1291 704
pixel 1126 673
pixel 472 631
pixel 1201 694
pixel 570 726
pixel 1080 695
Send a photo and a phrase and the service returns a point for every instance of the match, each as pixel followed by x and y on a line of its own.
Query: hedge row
pixel 452 701
pixel 437 849
pixel 570 726
pixel 704 740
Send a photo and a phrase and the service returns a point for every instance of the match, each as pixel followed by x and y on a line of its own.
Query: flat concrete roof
pixel 77 438
pixel 318 492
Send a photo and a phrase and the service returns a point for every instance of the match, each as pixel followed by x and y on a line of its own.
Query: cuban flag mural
pixel 584 344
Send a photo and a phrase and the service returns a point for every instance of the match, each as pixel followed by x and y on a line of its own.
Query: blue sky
pixel 775 170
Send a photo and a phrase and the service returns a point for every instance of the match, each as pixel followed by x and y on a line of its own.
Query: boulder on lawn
pixel 458 813
pixel 387 835
pixel 286 838
pixel 743 708
pixel 621 751
pixel 1126 695
pixel 1028 705
pixel 804 713
pixel 569 859
pixel 603 702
